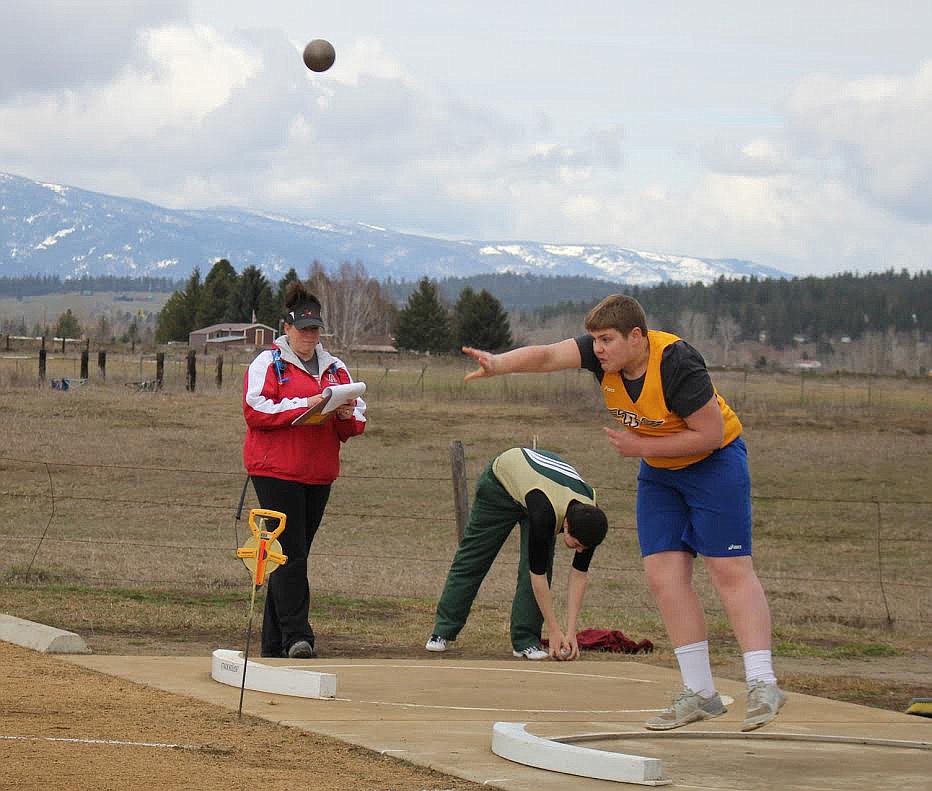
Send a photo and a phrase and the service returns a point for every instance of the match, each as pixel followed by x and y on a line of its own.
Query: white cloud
pixel 878 128
pixel 827 172
pixel 50 45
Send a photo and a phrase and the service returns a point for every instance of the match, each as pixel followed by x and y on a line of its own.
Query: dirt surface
pixel 53 709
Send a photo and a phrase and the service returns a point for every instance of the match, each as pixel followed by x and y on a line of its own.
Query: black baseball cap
pixel 304 316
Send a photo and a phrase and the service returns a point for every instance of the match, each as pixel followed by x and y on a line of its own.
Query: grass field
pixel 46 309
pixel 133 496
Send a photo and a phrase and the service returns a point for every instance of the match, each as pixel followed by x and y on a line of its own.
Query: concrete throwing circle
pixel 463 683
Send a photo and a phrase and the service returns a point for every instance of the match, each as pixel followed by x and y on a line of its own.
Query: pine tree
pixel 193 292
pixel 177 319
pixel 172 325
pixel 290 277
pixel 424 324
pixel 248 299
pixel 481 321
pixel 215 299
pixel 67 326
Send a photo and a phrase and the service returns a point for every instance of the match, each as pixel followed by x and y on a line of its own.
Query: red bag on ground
pixel 609 640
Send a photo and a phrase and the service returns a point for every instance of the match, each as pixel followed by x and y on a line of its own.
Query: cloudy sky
pixel 795 134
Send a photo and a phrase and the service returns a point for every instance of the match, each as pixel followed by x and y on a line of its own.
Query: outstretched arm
pixel 527 359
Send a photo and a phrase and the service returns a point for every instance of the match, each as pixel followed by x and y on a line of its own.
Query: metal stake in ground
pixel 261 554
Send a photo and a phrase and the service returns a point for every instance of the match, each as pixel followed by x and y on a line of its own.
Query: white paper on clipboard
pixel 334 396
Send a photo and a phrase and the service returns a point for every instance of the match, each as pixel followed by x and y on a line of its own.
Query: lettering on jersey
pixel 608 389
pixel 332 379
pixel 634 420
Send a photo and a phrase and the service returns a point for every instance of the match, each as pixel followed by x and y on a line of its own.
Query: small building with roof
pixel 222 336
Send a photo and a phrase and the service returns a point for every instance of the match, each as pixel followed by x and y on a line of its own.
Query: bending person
pixel 546 496
pixel 694 492
pixel 293 466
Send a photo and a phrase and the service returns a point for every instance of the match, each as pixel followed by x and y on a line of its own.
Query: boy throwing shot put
pixel 694 492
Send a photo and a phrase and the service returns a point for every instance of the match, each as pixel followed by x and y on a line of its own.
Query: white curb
pixel 227 668
pixel 510 740
pixel 40 637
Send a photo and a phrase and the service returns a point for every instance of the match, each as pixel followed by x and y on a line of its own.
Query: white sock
pixel 758 666
pixel 695 668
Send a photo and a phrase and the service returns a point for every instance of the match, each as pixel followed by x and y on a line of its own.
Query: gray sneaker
pixel 687 707
pixel 764 701
pixel 302 650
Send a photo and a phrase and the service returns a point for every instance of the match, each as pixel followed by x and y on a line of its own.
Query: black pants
pixel 288 598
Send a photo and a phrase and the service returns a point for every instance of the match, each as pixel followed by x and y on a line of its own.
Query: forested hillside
pixel 814 307
pixel 779 312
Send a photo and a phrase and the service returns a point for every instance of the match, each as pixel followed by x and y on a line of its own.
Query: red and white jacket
pixel 273 447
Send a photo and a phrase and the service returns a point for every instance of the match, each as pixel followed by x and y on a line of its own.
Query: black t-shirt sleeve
pixel 587 354
pixel 581 560
pixel 687 385
pixel 542 524
pixel 542 527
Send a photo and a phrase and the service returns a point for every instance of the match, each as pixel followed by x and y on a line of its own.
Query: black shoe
pixel 301 650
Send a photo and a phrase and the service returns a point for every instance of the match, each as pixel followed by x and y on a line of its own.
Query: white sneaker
pixel 533 652
pixel 764 701
pixel 437 643
pixel 687 707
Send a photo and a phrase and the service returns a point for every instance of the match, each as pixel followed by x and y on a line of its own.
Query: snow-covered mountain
pixel 49 229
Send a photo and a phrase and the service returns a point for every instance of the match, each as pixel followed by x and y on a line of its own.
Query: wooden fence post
pixel 460 498
pixel 219 371
pixel 191 378
pixel 102 363
pixel 84 362
pixel 63 344
pixel 159 369
pixel 42 354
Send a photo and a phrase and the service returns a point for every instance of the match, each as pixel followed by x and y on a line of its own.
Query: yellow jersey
pixel 649 415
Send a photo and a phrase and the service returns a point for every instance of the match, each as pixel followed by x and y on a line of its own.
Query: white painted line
pixel 510 740
pixel 493 709
pixel 227 668
pixel 444 666
pixel 113 742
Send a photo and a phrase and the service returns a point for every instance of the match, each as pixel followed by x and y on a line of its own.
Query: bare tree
pixel 694 328
pixel 353 303
pixel 727 331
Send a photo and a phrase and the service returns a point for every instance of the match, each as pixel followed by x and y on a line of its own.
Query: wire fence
pixel 177 368
pixel 855 561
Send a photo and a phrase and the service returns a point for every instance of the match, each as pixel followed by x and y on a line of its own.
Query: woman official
pixel 293 466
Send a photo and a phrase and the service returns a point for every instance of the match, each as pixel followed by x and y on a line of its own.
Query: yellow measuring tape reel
pixel 261 553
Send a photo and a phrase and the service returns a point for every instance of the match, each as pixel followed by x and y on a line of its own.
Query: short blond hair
pixel 617 312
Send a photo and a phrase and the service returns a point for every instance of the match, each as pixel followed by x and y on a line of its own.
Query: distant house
pixel 380 344
pixel 221 336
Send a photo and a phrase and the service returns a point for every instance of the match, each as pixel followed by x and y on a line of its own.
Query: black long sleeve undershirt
pixel 542 523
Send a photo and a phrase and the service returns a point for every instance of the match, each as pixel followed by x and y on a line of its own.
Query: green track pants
pixel 493 515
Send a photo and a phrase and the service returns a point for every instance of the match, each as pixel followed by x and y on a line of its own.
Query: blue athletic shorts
pixel 703 509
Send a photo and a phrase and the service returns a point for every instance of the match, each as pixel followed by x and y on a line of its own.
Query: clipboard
pixel 333 397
